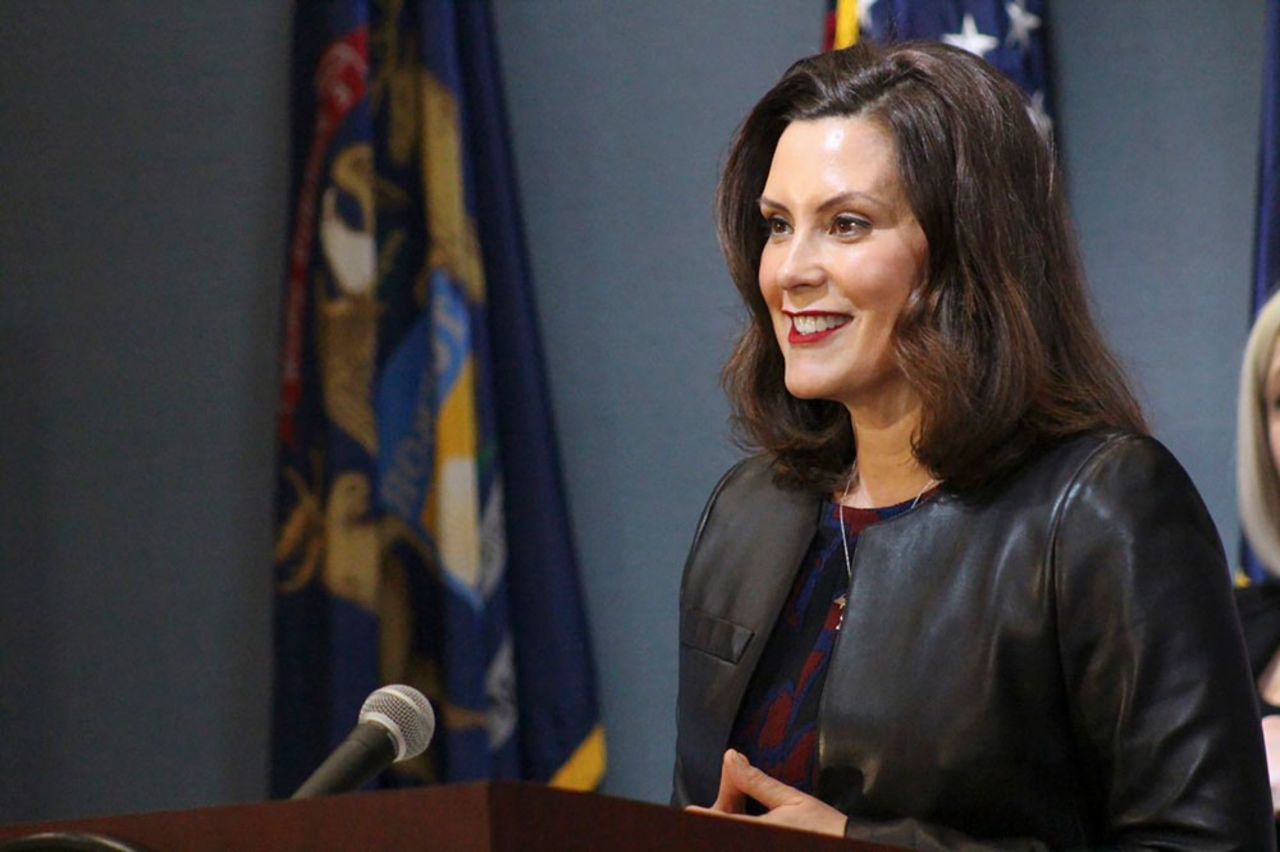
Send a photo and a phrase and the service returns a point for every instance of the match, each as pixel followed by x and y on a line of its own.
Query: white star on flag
pixel 1021 23
pixel 970 39
pixel 1011 36
pixel 864 14
pixel 1039 115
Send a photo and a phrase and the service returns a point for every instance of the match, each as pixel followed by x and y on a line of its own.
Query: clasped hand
pixel 786 806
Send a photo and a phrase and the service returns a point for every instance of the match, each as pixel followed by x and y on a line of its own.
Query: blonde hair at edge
pixel 1256 479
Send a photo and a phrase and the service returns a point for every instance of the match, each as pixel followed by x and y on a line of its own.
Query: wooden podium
pixel 495 817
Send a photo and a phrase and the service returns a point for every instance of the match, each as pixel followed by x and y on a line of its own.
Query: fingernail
pixel 738 758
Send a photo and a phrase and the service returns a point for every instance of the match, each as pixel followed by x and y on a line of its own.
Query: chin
pixel 802 389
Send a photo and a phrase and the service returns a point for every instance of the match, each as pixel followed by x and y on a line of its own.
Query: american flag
pixel 1009 34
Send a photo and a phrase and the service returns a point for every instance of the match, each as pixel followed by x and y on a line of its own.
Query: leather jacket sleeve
pixel 1162 706
pixel 1162 701
pixel 679 794
pixel 680 797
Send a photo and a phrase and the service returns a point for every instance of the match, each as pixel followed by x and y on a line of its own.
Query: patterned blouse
pixel 777 724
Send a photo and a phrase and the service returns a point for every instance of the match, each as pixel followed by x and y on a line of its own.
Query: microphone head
pixel 405 714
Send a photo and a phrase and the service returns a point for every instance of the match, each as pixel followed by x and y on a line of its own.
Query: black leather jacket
pixel 1056 664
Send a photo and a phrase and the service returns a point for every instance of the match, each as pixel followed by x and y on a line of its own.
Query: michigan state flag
pixel 1007 33
pixel 421 528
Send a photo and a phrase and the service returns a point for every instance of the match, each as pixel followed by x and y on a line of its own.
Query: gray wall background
pixel 143 170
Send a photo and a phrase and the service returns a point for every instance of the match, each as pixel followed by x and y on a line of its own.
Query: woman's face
pixel 844 251
pixel 1271 404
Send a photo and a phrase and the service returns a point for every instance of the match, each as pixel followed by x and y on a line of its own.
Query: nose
pixel 801 265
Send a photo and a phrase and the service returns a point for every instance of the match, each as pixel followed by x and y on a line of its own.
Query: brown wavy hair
pixel 997 340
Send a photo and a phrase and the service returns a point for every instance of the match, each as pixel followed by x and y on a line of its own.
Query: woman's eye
pixel 848 225
pixel 776 225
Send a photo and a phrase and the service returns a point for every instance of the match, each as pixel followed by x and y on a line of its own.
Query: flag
pixel 1266 253
pixel 412 401
pixel 1266 262
pixel 1009 34
pixel 842 24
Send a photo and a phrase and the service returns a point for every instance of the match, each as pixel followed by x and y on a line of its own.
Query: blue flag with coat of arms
pixel 413 401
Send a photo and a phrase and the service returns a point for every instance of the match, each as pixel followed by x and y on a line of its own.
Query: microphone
pixel 396 723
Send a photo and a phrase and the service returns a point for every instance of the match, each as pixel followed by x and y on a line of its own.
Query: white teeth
pixel 811 324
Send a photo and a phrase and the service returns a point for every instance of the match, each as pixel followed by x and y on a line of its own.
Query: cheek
pixel 768 279
pixel 1273 435
pixel 771 293
pixel 877 282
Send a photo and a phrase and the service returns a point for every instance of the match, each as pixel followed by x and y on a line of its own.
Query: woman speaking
pixel 957 599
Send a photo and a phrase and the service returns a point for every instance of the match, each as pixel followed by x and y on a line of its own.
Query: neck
pixel 888 470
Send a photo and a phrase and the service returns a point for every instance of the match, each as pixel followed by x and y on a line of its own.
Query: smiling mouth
pixel 807 324
pixel 810 328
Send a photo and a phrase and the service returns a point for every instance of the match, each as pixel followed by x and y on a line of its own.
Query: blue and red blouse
pixel 777 723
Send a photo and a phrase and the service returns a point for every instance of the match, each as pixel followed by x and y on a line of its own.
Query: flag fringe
pixel 585 767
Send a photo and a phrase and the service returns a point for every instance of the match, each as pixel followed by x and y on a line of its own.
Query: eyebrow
pixel 838 200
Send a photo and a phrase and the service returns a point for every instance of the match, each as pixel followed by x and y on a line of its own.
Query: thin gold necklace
pixel 844 539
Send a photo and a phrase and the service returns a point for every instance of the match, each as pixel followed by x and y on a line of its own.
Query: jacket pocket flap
pixel 715 636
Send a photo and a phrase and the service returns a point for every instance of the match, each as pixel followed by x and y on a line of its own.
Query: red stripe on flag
pixel 341 82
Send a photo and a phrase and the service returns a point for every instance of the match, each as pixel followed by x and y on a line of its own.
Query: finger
pixel 729 799
pixel 1271 739
pixel 721 814
pixel 757 784
pixel 699 809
